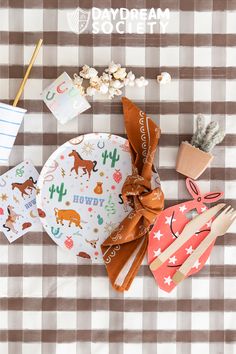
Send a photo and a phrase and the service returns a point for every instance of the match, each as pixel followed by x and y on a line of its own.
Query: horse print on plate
pixel 18 210
pixel 80 187
pixel 80 192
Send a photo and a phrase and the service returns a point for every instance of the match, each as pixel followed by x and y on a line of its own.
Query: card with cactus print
pixel 80 192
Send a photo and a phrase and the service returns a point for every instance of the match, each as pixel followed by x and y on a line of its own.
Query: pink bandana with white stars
pixel 169 226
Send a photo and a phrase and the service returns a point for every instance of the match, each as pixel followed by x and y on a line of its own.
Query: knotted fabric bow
pixel 124 250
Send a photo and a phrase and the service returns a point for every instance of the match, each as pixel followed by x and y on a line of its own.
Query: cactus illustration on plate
pixel 111 155
pixel 60 190
pixel 52 190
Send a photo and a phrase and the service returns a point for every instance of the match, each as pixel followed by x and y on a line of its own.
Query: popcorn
pixel 141 82
pixel 87 72
pixel 117 84
pixel 110 83
pixel 129 80
pixel 95 82
pixel 104 89
pixel 120 74
pixel 114 92
pixel 113 67
pixel 81 90
pixel 91 91
pixel 106 77
pixel 130 76
pixel 164 78
pixel 78 80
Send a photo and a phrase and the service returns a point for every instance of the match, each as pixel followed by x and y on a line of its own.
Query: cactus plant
pixel 112 155
pixel 60 190
pixel 199 133
pixel 194 157
pixel 207 137
pixel 105 156
pixel 52 190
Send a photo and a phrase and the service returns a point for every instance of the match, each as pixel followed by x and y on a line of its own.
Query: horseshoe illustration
pixel 99 146
pixel 59 89
pixel 73 92
pixel 50 96
pixel 3 183
pixel 77 141
pixel 56 232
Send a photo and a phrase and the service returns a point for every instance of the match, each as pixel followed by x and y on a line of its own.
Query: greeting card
pixel 18 211
pixel 64 100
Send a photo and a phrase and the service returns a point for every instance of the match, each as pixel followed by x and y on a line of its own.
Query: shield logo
pixel 78 20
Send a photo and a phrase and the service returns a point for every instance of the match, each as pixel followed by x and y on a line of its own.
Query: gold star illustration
pixel 88 148
pixel 4 197
pixel 16 200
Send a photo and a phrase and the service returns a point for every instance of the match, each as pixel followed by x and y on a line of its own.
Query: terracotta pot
pixel 191 161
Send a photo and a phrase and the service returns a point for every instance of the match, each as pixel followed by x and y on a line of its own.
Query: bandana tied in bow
pixel 124 250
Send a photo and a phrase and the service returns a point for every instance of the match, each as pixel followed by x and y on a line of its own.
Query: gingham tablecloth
pixel 52 303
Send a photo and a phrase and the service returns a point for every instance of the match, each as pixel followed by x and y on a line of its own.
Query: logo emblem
pixel 78 20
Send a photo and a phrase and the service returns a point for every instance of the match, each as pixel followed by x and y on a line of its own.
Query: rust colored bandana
pixel 124 250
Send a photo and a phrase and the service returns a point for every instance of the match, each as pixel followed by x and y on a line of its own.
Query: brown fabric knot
pixel 138 194
pixel 125 248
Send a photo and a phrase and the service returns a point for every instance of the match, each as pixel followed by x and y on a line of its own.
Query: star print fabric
pixel 167 229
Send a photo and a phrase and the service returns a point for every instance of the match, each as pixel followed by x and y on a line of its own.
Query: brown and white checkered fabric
pixel 52 303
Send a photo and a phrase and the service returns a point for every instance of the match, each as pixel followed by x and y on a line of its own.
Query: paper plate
pixel 80 192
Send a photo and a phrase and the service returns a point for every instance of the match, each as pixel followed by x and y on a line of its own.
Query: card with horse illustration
pixel 18 210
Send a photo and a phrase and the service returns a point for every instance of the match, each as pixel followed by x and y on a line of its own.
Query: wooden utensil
pixel 218 228
pixel 32 60
pixel 188 231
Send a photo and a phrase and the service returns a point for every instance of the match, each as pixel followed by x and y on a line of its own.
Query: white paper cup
pixel 10 121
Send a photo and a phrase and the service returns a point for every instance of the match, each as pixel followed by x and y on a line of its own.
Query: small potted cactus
pixel 194 157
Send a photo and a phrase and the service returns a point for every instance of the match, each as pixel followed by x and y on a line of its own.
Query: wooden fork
pixel 218 228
